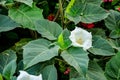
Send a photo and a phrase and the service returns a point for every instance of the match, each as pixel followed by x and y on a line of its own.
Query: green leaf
pixel 7 3
pixel 112 69
pixel 1 77
pixel 77 58
pixel 80 78
pixel 14 78
pixel 115 2
pixel 7 24
pixel 101 47
pixel 37 68
pixel 49 73
pixel 112 21
pixel 97 32
pixel 95 72
pixel 74 75
pixel 63 40
pixel 8 63
pixel 26 15
pixel 27 2
pixel 38 51
pixel 115 44
pixel 115 33
pixel 9 70
pixel 2 2
pixel 48 29
pixel 96 2
pixel 88 13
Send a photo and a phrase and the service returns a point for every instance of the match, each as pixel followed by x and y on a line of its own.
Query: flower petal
pixel 32 77
pixel 81 38
pixel 25 76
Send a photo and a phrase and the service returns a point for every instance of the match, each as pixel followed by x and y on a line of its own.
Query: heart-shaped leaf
pixel 38 51
pixel 48 73
pixel 112 69
pixel 112 21
pixel 101 47
pixel 26 15
pixel 48 29
pixel 77 58
pixel 7 24
pixel 85 12
pixel 95 72
pixel 8 63
pixel 27 2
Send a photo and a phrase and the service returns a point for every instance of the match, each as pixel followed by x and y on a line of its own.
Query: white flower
pixel 81 38
pixel 25 76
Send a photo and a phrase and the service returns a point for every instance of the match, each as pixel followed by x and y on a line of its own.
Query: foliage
pixel 35 37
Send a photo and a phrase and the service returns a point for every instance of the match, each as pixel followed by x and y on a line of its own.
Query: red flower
pixel 105 0
pixel 118 9
pixel 67 71
pixel 110 0
pixel 51 17
pixel 88 25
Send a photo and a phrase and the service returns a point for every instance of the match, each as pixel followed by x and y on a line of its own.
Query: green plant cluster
pixel 33 40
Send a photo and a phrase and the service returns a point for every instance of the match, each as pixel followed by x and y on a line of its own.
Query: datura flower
pixel 25 76
pixel 81 38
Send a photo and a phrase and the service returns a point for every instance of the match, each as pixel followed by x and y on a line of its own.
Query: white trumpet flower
pixel 81 38
pixel 25 76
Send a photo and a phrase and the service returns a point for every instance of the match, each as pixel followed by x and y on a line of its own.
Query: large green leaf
pixel 112 69
pixel 49 73
pixel 37 68
pixel 74 75
pixel 38 51
pixel 63 39
pixel 8 63
pixel 85 12
pixel 26 15
pixel 7 24
pixel 14 78
pixel 112 22
pixel 115 44
pixel 95 72
pixel 27 2
pixel 48 29
pixel 101 47
pixel 9 70
pixel 77 58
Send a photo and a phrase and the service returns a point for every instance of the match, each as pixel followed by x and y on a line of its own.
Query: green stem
pixel 57 14
pixel 61 13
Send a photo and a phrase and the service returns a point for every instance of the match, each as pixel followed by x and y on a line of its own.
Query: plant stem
pixel 57 14
pixel 34 34
pixel 61 13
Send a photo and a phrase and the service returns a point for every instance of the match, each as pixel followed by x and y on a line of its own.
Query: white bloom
pixel 81 38
pixel 25 76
